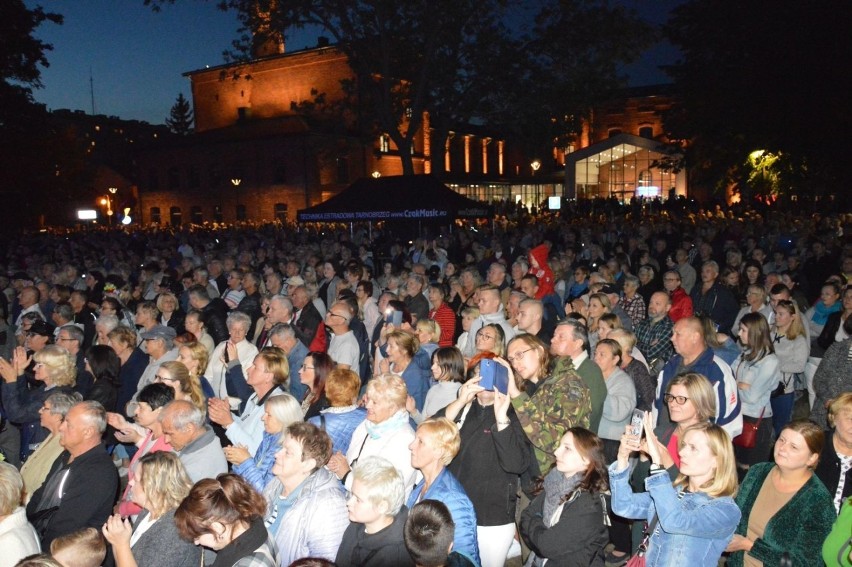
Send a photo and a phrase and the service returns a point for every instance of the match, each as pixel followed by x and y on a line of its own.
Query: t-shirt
pixel 769 501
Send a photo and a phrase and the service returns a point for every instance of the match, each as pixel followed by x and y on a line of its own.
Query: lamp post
pixel 236 183
pixel 112 191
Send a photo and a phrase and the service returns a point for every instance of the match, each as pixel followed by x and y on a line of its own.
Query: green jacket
pixel 799 528
pixel 591 374
pixel 838 544
pixel 560 402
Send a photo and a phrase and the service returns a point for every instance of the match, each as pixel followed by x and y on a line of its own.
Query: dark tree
pixel 181 117
pixel 763 75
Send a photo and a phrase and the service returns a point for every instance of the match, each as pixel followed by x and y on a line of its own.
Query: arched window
pixel 175 216
pixel 281 212
pixel 155 215
pixel 646 132
pixel 196 215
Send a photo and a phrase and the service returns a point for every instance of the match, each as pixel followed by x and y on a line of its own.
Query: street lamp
pixel 235 181
pixel 535 165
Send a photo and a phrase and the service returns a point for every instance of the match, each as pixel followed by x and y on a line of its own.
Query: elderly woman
pixel 225 514
pixel 195 325
pixel 343 415
pixel 402 347
pixel 786 510
pixel 55 368
pixel 436 443
pixel 817 316
pixel 632 302
pixel 306 507
pixel 833 331
pixel 171 315
pixel 835 463
pixel 493 454
pixel 133 363
pixel 755 303
pixel 386 431
pixel 620 397
pixel 377 517
pixel 18 539
pixel 279 412
pixel 227 353
pixel 51 414
pixel 314 371
pixel 158 488
pixel 757 375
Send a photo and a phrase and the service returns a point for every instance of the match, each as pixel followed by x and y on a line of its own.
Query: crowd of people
pixel 677 390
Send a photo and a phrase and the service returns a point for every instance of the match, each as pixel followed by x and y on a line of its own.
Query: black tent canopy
pixel 403 197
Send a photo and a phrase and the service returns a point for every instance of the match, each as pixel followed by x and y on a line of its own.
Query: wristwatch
pixel 657 467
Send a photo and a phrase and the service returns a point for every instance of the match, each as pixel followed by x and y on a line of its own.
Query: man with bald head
pixel 531 320
pixel 692 355
pixel 654 333
pixel 28 301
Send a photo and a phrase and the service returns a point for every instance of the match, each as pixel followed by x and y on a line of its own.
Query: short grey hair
pixel 711 264
pixel 11 488
pixel 631 279
pixel 578 331
pixel 107 322
pixel 74 333
pixel 284 301
pixel 282 330
pixel 94 413
pixel 238 317
pixel 61 402
pixel 65 311
pixel 183 413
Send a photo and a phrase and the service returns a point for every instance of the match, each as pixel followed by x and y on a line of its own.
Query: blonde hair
pixel 724 481
pixel 431 327
pixel 699 391
pixel 86 547
pixel 444 436
pixel 382 483
pixel 797 328
pixel 164 480
pixel 841 403
pixel 163 297
pixel 189 385
pixel 11 488
pixel 198 352
pixel 389 388
pixel 123 334
pixel 276 363
pixel 407 342
pixel 625 338
pixel 59 364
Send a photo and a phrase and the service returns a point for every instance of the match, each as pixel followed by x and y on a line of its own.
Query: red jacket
pixel 542 272
pixel 681 305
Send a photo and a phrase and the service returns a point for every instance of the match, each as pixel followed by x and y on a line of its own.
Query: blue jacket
pixel 449 491
pixel 257 470
pixel 728 408
pixel 692 528
pixel 340 426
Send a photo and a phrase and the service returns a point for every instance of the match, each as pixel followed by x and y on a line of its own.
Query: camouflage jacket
pixel 561 402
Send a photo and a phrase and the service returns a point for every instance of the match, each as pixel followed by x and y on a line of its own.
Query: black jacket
pixel 829 331
pixel 384 548
pixel 88 493
pixel 213 316
pixel 576 540
pixel 828 469
pixel 306 325
pixel 489 463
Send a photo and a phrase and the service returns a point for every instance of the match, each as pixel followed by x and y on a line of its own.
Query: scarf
pixel 821 312
pixel 394 422
pixel 556 487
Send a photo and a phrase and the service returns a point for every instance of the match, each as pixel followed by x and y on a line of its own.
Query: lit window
pixel 384 143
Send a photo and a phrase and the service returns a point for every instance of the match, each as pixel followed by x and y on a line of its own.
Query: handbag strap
pixel 646 537
pixel 759 419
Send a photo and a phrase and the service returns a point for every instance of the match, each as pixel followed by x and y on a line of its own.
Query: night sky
pixel 137 56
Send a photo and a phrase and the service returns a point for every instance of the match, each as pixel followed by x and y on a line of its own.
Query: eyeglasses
pixel 306 367
pixel 330 314
pixel 680 400
pixel 481 335
pixel 164 378
pixel 65 339
pixel 517 357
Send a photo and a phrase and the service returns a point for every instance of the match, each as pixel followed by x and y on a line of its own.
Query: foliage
pixel 763 75
pixel 180 117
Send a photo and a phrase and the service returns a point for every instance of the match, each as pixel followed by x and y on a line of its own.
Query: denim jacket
pixel 693 529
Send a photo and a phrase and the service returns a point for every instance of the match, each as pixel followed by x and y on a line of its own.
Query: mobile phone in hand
pixel 637 423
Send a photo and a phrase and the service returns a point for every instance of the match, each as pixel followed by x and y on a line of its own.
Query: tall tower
pixel 266 39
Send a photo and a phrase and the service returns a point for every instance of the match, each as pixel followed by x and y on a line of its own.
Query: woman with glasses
pixel 792 349
pixel 314 371
pixel 55 369
pixel 176 375
pixel 491 338
pixel 51 415
pixel 757 376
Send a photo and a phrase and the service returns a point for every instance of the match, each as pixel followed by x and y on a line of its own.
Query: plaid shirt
pixel 655 339
pixel 635 308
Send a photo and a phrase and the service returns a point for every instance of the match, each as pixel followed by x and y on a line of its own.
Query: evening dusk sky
pixel 136 56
